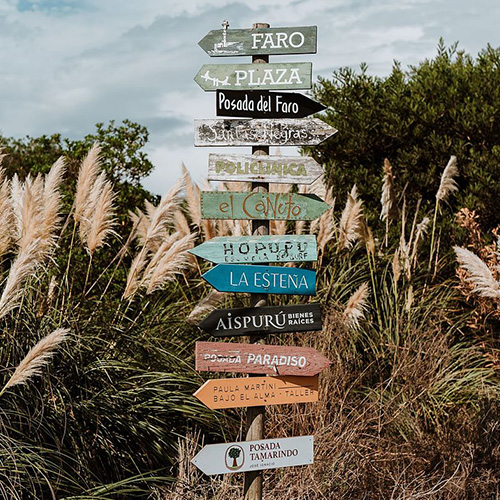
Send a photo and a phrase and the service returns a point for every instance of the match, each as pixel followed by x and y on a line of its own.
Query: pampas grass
pixel 388 199
pixel 351 219
pixel 356 306
pixel 6 215
pixel 480 276
pixel 36 359
pixel 448 184
pixel 87 175
pixel 206 306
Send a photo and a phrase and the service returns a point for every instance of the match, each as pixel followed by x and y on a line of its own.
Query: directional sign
pixel 261 279
pixel 261 41
pixel 260 359
pixel 257 104
pixel 257 391
pixel 263 168
pixel 255 455
pixel 277 76
pixel 263 320
pixel 284 132
pixel 255 205
pixel 255 249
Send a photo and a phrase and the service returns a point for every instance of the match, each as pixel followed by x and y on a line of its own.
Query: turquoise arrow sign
pixel 262 279
pixel 256 249
pixel 278 76
pixel 261 206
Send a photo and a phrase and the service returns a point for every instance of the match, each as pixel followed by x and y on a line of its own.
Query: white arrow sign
pixel 255 455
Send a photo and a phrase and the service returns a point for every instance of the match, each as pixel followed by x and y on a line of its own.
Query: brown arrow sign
pixel 280 132
pixel 260 359
pixel 257 391
pixel 263 168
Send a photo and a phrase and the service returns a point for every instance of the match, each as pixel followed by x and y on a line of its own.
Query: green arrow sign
pixel 247 42
pixel 255 249
pixel 255 76
pixel 255 206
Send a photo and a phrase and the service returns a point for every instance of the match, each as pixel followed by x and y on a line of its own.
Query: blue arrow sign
pixel 262 279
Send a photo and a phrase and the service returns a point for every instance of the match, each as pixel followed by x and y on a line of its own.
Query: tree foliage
pixel 449 105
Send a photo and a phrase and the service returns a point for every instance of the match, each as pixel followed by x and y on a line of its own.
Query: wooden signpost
pixel 261 279
pixel 263 320
pixel 283 132
pixel 257 249
pixel 241 91
pixel 257 391
pixel 260 359
pixel 255 455
pixel 249 42
pixel 279 76
pixel 264 104
pixel 261 206
pixel 263 168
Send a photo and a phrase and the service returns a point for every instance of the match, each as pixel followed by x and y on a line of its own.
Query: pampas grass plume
pixel 356 306
pixel 448 184
pixel 351 219
pixel 38 357
pixel 480 275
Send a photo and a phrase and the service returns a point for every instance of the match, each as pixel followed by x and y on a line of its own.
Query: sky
pixel 69 64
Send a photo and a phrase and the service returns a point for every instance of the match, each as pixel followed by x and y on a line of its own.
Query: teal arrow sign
pixel 276 76
pixel 256 249
pixel 262 279
pixel 247 42
pixel 261 206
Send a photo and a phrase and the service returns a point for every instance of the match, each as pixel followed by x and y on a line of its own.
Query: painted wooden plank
pixel 224 458
pixel 260 41
pixel 263 168
pixel 261 279
pixel 259 359
pixel 265 104
pixel 261 206
pixel 263 320
pixel 281 132
pixel 257 249
pixel 257 391
pixel 277 76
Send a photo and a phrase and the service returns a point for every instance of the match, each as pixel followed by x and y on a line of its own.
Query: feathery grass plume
pixel 166 264
pixel 192 197
pixel 366 236
pixel 356 306
pixel 206 306
pixel 421 231
pixel 181 223
pixel 351 219
pixel 22 268
pixel 388 200
pixel 87 175
pixel 448 184
pixel 6 215
pixel 134 274
pixel 100 224
pixel 52 197
pixel 481 276
pixel 38 357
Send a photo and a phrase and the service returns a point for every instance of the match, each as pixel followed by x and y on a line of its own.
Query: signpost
pixel 259 41
pixel 257 391
pixel 283 132
pixel 257 104
pixel 261 206
pixel 264 168
pixel 259 358
pixel 255 455
pixel 278 76
pixel 261 279
pixel 256 249
pixel 263 320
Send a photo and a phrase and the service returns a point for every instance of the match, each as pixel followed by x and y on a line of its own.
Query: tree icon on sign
pixel 234 453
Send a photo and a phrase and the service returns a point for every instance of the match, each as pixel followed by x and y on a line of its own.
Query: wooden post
pixel 252 487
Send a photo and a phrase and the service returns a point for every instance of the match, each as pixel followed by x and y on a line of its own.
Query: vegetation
pixel 99 297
